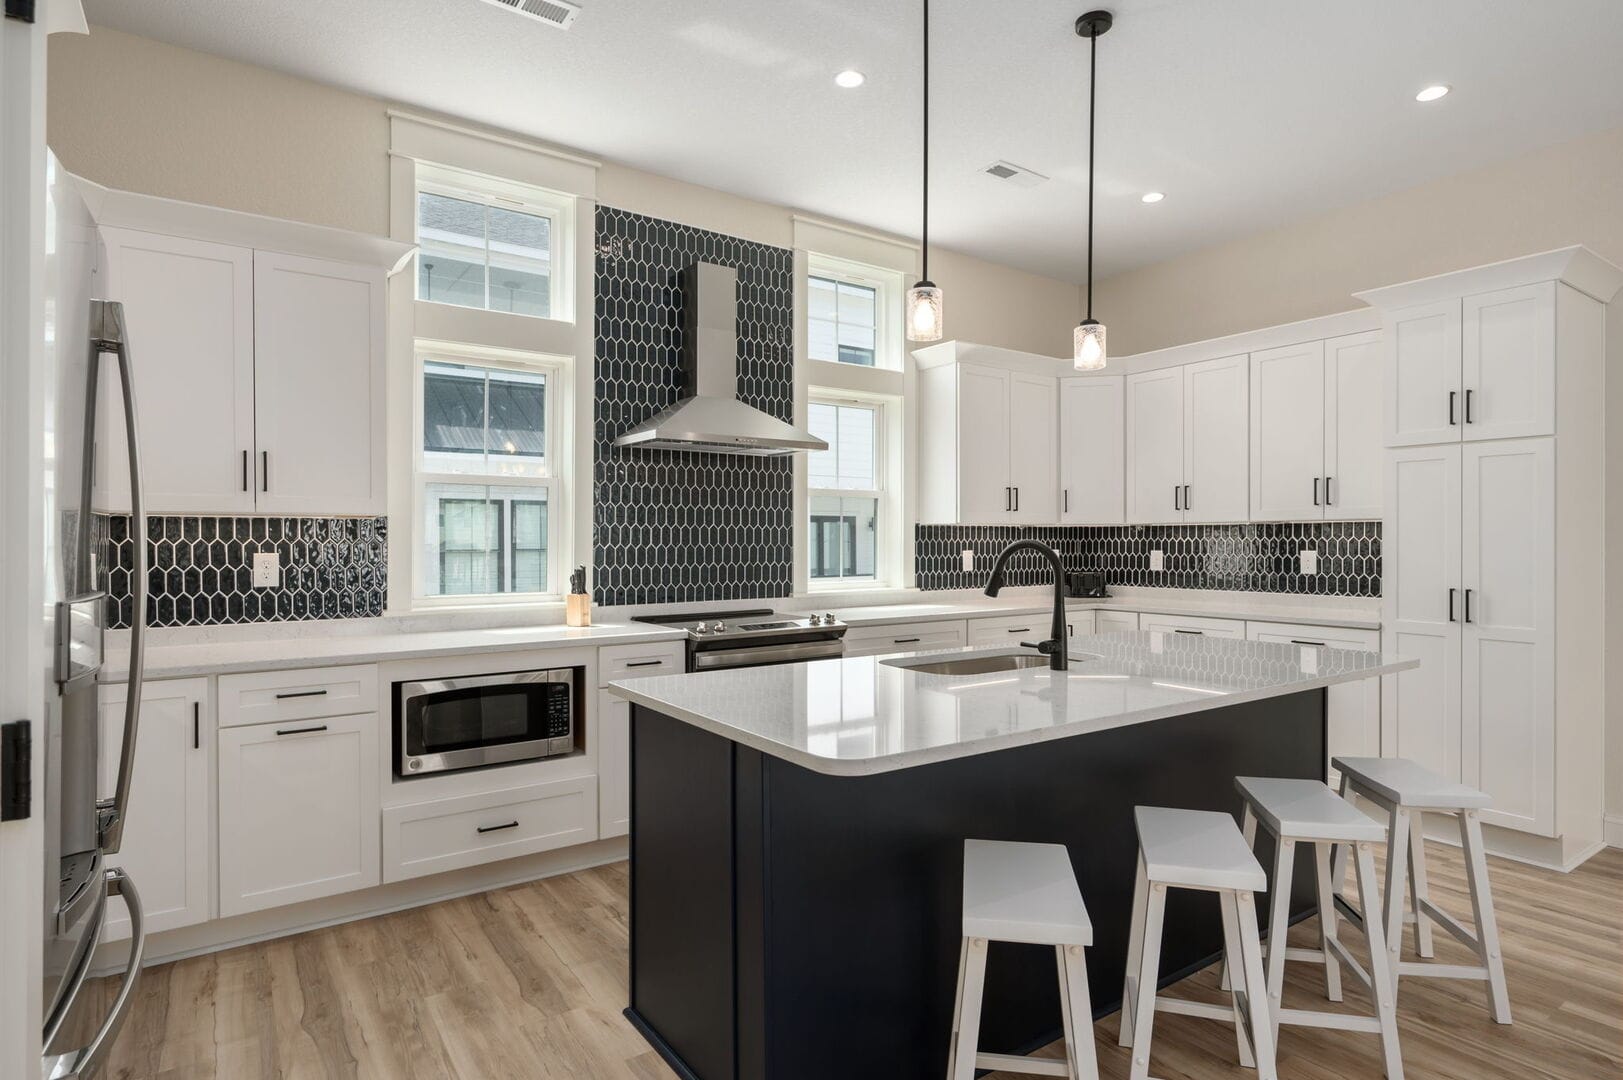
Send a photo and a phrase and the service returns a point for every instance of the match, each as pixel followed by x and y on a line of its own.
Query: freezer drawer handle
pixel 301 693
pixel 301 730
pixel 88 1059
pixel 482 829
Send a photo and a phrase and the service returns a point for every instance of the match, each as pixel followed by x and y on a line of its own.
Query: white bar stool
pixel 1406 791
pixel 1195 849
pixel 1025 893
pixel 1309 812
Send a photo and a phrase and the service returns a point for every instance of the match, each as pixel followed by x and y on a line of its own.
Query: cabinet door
pixel 299 815
pixel 1217 440
pixel 1420 538
pixel 1079 623
pixel 1508 570
pixel 1115 622
pixel 1092 445
pixel 318 369
pixel 1155 446
pixel 1352 709
pixel 166 839
pixel 984 494
pixel 1352 427
pixel 1034 448
pixel 1423 391
pixel 1287 433
pixel 613 765
pixel 188 307
pixel 1509 363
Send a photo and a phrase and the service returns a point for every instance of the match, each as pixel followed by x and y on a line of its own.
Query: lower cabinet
pixel 467 830
pixel 1011 630
pixel 1354 709
pixel 166 838
pixel 904 637
pixel 1114 622
pixel 613 765
pixel 1191 624
pixel 298 811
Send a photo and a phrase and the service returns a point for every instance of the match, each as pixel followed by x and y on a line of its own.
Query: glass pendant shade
pixel 1089 346
pixel 924 312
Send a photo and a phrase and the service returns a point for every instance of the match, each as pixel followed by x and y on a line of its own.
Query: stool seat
pixel 1023 892
pixel 1196 848
pixel 1306 810
pixel 1407 783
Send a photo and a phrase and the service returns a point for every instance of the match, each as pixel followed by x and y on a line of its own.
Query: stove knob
pixel 720 627
pixel 828 619
pixel 815 620
pixel 701 628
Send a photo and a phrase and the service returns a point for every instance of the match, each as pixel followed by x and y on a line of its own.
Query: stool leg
pixel 966 1041
pixel 1135 952
pixel 1397 860
pixel 957 1010
pixel 1487 926
pixel 1248 826
pixel 1338 865
pixel 1279 926
pixel 1065 1017
pixel 1418 890
pixel 1380 978
pixel 1327 920
pixel 1079 1013
pixel 1149 970
pixel 1232 951
pixel 1262 1031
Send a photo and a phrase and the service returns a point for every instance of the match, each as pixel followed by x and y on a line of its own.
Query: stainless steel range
pixel 754 638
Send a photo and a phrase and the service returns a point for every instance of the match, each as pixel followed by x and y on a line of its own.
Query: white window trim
pixel 561 509
pixel 891 532
pixel 888 300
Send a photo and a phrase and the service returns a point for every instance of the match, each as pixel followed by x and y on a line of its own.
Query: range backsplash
pixel 1242 558
pixel 201 568
pixel 673 526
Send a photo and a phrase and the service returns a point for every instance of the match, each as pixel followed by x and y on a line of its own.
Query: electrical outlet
pixel 969 558
pixel 1158 560
pixel 267 570
pixel 1309 558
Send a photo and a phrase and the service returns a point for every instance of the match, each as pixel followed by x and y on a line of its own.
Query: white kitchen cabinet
pixel 166 845
pixel 1008 630
pixel 983 443
pixel 1423 378
pixel 613 765
pixel 1191 624
pixel 1354 370
pixel 1092 448
pixel 1188 442
pixel 1353 709
pixel 189 311
pixel 319 385
pixel 1114 622
pixel 1033 424
pixel 1508 361
pixel 1080 623
pixel 299 812
pixel 470 830
pixel 876 640
pixel 1155 438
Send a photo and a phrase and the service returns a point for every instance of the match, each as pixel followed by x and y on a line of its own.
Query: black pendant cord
pixel 924 230
pixel 1093 84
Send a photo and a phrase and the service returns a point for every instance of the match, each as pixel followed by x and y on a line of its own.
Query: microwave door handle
pixel 108 334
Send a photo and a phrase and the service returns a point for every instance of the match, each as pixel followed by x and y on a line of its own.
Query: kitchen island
pixel 797 833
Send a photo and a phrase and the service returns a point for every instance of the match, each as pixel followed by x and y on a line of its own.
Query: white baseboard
pixel 1614 830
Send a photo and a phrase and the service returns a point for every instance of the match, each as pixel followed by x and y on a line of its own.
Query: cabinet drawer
pixel 630 661
pixel 1008 629
pixel 1307 634
pixel 1114 622
pixel 1192 624
pixel 903 637
pixel 265 697
pixel 449 834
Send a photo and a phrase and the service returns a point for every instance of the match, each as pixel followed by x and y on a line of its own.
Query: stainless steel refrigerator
pixel 89 363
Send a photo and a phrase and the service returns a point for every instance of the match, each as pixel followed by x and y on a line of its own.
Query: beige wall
pixel 146 116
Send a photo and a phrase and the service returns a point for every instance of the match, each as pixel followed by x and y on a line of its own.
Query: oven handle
pixel 716 659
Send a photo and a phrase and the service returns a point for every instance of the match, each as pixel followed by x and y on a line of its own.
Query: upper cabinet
pixel 1187 442
pixel 1092 469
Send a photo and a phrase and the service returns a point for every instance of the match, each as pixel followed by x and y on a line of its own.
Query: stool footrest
pixel 1339 1021
pixel 1443 971
pixel 1204 1009
pixel 1014 1063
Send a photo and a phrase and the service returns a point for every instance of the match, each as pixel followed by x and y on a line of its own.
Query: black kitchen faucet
pixel 1054 647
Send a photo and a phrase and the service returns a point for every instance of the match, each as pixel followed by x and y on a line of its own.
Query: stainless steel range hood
pixel 709 417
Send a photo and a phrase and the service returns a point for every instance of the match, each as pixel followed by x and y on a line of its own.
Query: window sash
pixel 496 254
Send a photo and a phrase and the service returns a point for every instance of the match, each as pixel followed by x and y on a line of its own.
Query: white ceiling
pixel 1249 114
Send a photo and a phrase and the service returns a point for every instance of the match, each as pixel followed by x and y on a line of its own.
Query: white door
pixel 613 765
pixel 318 368
pixel 1423 391
pixel 1354 460
pixel 1034 448
pixel 1092 445
pixel 299 815
pixel 189 306
pixel 1155 446
pixel 1287 433
pixel 166 839
pixel 1509 363
pixel 1508 613
pixel 985 494
pixel 1217 440
pixel 1421 607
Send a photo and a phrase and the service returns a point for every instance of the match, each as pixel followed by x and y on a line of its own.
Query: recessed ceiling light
pixel 1432 93
pixel 850 80
pixel 1152 196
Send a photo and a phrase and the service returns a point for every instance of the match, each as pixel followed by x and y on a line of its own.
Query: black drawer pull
pixel 1022 630
pixel 301 693
pixel 301 730
pixel 645 663
pixel 1197 633
pixel 1314 644
pixel 481 830
pixel 903 640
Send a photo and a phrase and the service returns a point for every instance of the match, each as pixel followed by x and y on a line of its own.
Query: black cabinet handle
pixel 1197 633
pixel 903 640
pixel 644 663
pixel 1008 499
pixel 301 693
pixel 1451 593
pixel 301 730
pixel 1186 496
pixel 1452 395
pixel 482 829
pixel 1022 630
pixel 1468 419
pixel 1327 491
pixel 264 470
pixel 1066 492
pixel 1315 491
pixel 1017 500
pixel 1468 605
pixel 245 470
pixel 197 726
pixel 1313 644
pixel 1176 489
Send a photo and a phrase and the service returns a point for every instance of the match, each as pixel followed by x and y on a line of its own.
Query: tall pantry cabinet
pixel 1494 533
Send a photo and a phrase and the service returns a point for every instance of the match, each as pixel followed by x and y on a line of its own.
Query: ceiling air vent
pixel 558 13
pixel 1014 174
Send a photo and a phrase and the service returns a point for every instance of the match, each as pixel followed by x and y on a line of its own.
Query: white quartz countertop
pixel 1300 610
pixel 862 715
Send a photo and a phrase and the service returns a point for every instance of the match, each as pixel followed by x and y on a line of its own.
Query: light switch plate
pixel 267 570
pixel 1309 558
pixel 969 558
pixel 1158 560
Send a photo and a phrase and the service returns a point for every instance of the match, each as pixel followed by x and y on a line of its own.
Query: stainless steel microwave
pixel 443 725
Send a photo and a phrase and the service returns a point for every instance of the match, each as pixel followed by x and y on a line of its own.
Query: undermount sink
pixel 969 665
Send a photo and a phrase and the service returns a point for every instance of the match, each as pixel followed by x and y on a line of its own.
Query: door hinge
pixel 21 10
pixel 16 770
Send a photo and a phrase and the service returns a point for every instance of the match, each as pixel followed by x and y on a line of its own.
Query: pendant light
pixel 1088 342
pixel 924 298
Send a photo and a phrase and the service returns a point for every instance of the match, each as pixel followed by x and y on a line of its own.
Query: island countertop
pixel 859 716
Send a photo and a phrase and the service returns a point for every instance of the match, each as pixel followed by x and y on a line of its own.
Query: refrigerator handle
pixel 86 1060
pixel 108 335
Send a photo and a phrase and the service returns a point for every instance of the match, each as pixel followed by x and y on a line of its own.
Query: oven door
pixel 446 724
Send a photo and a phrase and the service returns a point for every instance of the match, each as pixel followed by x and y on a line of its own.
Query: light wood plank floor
pixel 529 981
